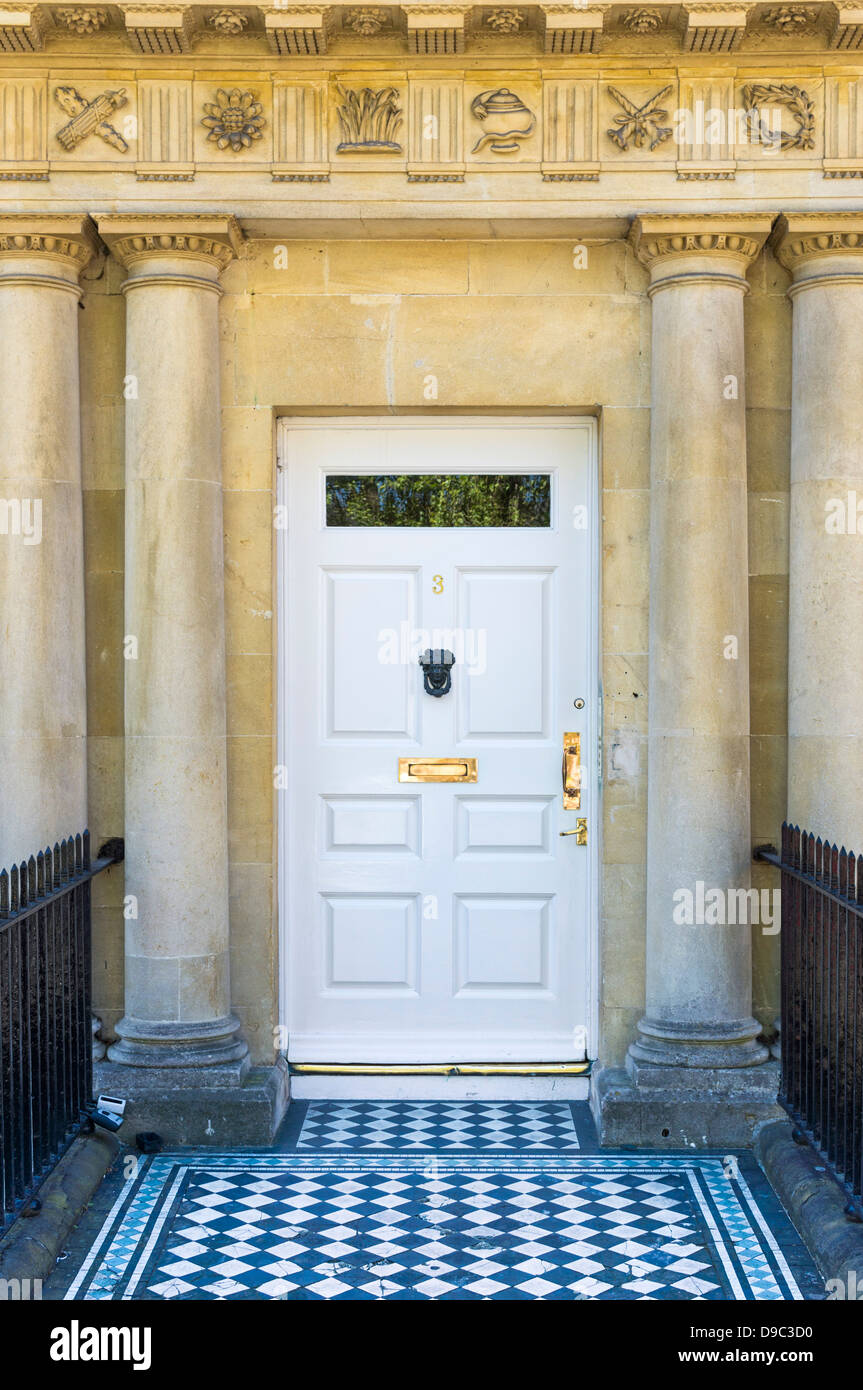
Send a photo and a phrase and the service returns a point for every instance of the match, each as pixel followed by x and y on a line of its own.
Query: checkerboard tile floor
pixel 518 1212
pixel 438 1126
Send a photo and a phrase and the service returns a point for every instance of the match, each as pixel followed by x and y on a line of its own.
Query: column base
pixel 710 1047
pixel 180 1045
pixel 212 1107
pixel 667 1107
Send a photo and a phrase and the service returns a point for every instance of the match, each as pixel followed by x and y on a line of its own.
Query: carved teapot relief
pixel 505 120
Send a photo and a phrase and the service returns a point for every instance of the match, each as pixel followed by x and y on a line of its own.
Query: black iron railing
pixel 822 999
pixel 46 1071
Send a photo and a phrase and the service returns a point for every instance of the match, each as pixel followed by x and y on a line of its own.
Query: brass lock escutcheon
pixel 437 769
pixel 572 772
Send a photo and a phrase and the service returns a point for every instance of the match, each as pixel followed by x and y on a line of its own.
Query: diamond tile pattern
pixel 424 1235
pixel 340 1226
pixel 438 1126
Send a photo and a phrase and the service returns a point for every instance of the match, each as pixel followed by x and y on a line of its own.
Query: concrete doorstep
pixel 30 1247
pixel 816 1204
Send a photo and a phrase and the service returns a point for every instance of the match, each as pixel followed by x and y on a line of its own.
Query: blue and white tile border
pixel 752 1260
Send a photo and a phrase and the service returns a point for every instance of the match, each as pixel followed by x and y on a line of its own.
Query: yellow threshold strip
pixel 446 1068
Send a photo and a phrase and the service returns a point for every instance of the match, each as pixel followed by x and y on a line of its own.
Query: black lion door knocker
pixel 437 664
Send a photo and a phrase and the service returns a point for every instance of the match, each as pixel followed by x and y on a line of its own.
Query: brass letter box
pixel 437 769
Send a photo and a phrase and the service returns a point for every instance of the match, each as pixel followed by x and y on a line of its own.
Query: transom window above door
pixel 439 499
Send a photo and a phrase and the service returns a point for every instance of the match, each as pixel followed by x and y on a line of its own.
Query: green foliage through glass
pixel 439 499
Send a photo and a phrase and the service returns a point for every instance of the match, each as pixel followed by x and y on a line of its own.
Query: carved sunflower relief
pixel 234 120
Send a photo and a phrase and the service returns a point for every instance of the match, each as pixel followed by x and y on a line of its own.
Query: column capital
pixel 711 247
pixel 820 246
pixel 65 241
pixel 211 239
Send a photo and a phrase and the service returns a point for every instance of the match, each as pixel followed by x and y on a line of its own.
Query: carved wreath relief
pixel 90 117
pixel 794 100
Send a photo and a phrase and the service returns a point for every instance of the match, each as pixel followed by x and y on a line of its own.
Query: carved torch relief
pixel 90 117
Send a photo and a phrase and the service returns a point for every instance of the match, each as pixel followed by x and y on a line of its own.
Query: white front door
pixel 437 921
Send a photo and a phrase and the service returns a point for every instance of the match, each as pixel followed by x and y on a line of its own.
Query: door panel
pixel 367 698
pixel 507 695
pixel 436 922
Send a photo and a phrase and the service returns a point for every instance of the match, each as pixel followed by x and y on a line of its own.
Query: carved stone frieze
pixel 369 120
pixel 90 117
pixel 505 20
pixel 366 20
pixel 229 22
pixel 703 122
pixel 789 19
pixel 234 120
pixel 640 125
pixel 163 28
pixel 79 19
pixel 505 121
pixel 642 21
pixel 799 105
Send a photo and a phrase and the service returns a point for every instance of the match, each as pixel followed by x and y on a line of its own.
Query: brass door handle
pixel 572 772
pixel 580 831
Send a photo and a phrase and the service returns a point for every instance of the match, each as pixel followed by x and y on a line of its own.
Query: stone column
pixel 697 1036
pixel 824 252
pixel 177 1010
pixel 43 766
